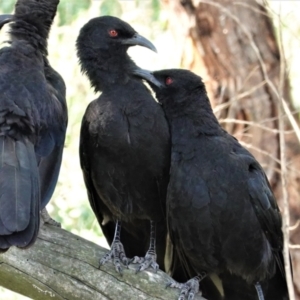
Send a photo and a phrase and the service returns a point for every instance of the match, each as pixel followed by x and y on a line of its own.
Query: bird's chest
pixel 120 128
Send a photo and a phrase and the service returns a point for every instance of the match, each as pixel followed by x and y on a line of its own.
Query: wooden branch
pixel 62 265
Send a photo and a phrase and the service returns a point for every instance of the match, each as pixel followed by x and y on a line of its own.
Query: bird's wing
pixel 49 167
pixel 264 204
pixel 20 194
pixel 20 191
pixel 266 209
pixel 268 214
pixel 101 211
pixel 50 148
pixel 260 193
pixel 49 151
pixel 19 181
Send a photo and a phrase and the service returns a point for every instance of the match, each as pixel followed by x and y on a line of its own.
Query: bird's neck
pixel 106 69
pixel 32 22
pixel 194 120
pixel 21 30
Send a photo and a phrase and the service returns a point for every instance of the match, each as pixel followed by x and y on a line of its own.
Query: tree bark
pixel 62 265
pixel 232 45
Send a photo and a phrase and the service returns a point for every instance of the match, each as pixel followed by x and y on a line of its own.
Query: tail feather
pixel 277 285
pixel 19 193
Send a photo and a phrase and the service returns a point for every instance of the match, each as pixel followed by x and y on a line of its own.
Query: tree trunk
pixel 62 265
pixel 232 45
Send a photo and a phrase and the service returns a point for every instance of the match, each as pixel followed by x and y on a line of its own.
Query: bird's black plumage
pixel 222 215
pixel 49 165
pixel 33 119
pixel 124 141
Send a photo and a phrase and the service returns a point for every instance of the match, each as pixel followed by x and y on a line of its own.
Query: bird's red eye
pixel 113 33
pixel 169 80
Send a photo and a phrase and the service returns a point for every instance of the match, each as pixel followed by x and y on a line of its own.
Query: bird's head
pixel 183 97
pixel 109 34
pixel 173 86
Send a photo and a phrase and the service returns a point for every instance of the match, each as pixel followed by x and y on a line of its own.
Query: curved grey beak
pixel 139 40
pixel 5 19
pixel 148 76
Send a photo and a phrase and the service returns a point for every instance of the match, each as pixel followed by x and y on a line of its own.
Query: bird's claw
pixel 145 262
pixel 174 284
pixel 145 265
pixel 117 254
pixel 47 219
pixel 118 266
pixel 105 258
pixel 155 266
pixel 189 289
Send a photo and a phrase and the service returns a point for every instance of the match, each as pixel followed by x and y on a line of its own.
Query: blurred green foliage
pixel 7 6
pixel 111 7
pixel 155 9
pixel 70 10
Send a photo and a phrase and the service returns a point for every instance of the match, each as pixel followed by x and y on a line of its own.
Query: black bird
pixel 124 145
pixel 33 120
pixel 222 215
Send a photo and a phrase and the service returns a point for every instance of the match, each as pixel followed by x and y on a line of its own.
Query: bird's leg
pixel 188 289
pixel 47 219
pixel 260 293
pixel 150 258
pixel 117 252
